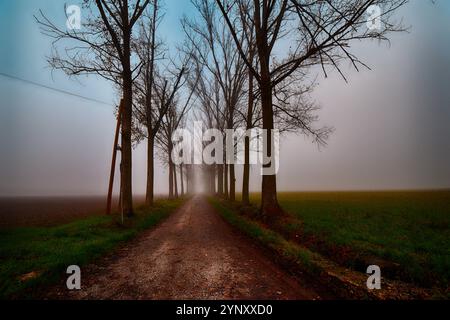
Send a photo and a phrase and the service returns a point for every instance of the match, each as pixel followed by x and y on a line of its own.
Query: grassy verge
pixel 336 278
pixel 265 236
pixel 406 233
pixel 32 257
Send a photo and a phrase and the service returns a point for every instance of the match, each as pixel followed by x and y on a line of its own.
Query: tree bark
pixel 220 179
pixel 175 182
pixel 126 161
pixel 188 179
pixel 225 181
pixel 232 195
pixel 246 173
pixel 212 179
pixel 170 173
pixel 269 201
pixel 181 179
pixel 149 195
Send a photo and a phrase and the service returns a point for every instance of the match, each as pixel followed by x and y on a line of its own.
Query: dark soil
pixel 50 211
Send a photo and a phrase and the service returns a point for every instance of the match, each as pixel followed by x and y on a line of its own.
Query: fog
pixel 391 123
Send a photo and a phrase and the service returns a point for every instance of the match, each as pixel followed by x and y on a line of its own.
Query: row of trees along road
pixel 317 32
pixel 244 63
pixel 119 42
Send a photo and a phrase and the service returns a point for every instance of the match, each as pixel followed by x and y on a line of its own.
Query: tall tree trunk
pixel 212 179
pixel 231 166
pixel 170 173
pixel 126 159
pixel 175 182
pixel 188 179
pixel 208 179
pixel 181 179
pixel 214 173
pixel 225 181
pixel 246 173
pixel 232 195
pixel 220 179
pixel 149 195
pixel 269 201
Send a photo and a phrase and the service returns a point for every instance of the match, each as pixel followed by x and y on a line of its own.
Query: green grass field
pixel 30 257
pixel 410 229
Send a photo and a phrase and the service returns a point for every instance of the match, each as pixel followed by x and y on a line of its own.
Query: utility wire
pixel 53 89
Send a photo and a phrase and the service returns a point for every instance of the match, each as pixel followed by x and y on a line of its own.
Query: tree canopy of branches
pixel 104 47
pixel 247 62
pixel 318 33
pixel 148 114
pixel 213 48
pixel 172 111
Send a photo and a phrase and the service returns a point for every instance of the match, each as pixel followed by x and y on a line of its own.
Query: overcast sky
pixel 392 123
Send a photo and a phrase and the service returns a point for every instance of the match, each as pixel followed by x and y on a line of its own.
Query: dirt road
pixel 194 254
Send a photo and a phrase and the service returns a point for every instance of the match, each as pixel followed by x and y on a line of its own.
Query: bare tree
pixel 149 114
pixel 182 177
pixel 171 122
pixel 248 30
pixel 214 49
pixel 104 48
pixel 211 110
pixel 169 98
pixel 319 32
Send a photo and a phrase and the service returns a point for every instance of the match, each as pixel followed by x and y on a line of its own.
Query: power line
pixel 53 89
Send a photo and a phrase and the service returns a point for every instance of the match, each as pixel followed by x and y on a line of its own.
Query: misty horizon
pixel 391 122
